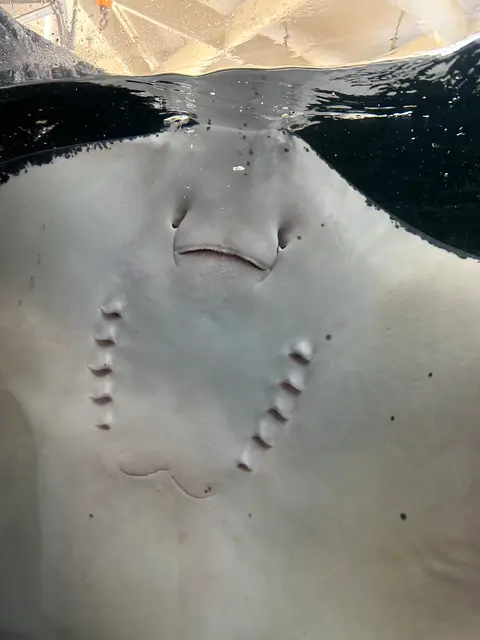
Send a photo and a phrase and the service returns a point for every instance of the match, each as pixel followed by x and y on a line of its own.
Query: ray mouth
pixel 223 253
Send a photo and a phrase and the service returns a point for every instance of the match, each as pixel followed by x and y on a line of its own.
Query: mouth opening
pixel 224 253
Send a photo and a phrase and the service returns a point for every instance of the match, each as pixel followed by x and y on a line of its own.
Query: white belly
pixel 274 446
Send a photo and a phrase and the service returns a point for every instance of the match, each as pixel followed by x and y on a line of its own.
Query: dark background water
pixel 405 133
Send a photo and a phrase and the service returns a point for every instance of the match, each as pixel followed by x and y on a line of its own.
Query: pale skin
pixel 234 446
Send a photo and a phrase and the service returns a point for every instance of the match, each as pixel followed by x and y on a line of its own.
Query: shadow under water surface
pixel 405 133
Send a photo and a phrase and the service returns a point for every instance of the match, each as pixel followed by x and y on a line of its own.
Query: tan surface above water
pixel 197 36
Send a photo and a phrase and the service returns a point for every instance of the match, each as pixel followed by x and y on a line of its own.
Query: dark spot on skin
pixel 286 150
pixel 328 336
pixel 208 128
pixel 403 516
pixel 249 515
pixel 299 237
pixel 208 489
pixel 31 285
pixel 19 303
pixel 250 152
pixel 244 137
pixel 392 418
pixel 90 515
pixel 248 163
pixel 430 375
pixel 104 426
pixel 245 124
pixel 322 224
pixel 209 121
pixel 44 226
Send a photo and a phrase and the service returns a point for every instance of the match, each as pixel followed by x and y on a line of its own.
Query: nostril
pixel 282 239
pixel 180 214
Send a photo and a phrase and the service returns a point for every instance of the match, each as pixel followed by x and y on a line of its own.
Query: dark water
pixel 405 133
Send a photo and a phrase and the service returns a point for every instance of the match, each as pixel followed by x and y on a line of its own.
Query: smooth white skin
pixel 150 529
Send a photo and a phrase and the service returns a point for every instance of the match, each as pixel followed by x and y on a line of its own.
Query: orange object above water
pixel 105 3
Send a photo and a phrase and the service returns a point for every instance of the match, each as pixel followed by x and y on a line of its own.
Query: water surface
pixel 405 133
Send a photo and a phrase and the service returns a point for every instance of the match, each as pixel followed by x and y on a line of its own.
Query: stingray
pixel 253 396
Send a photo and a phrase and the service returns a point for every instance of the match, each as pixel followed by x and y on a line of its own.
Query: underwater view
pixel 239 357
